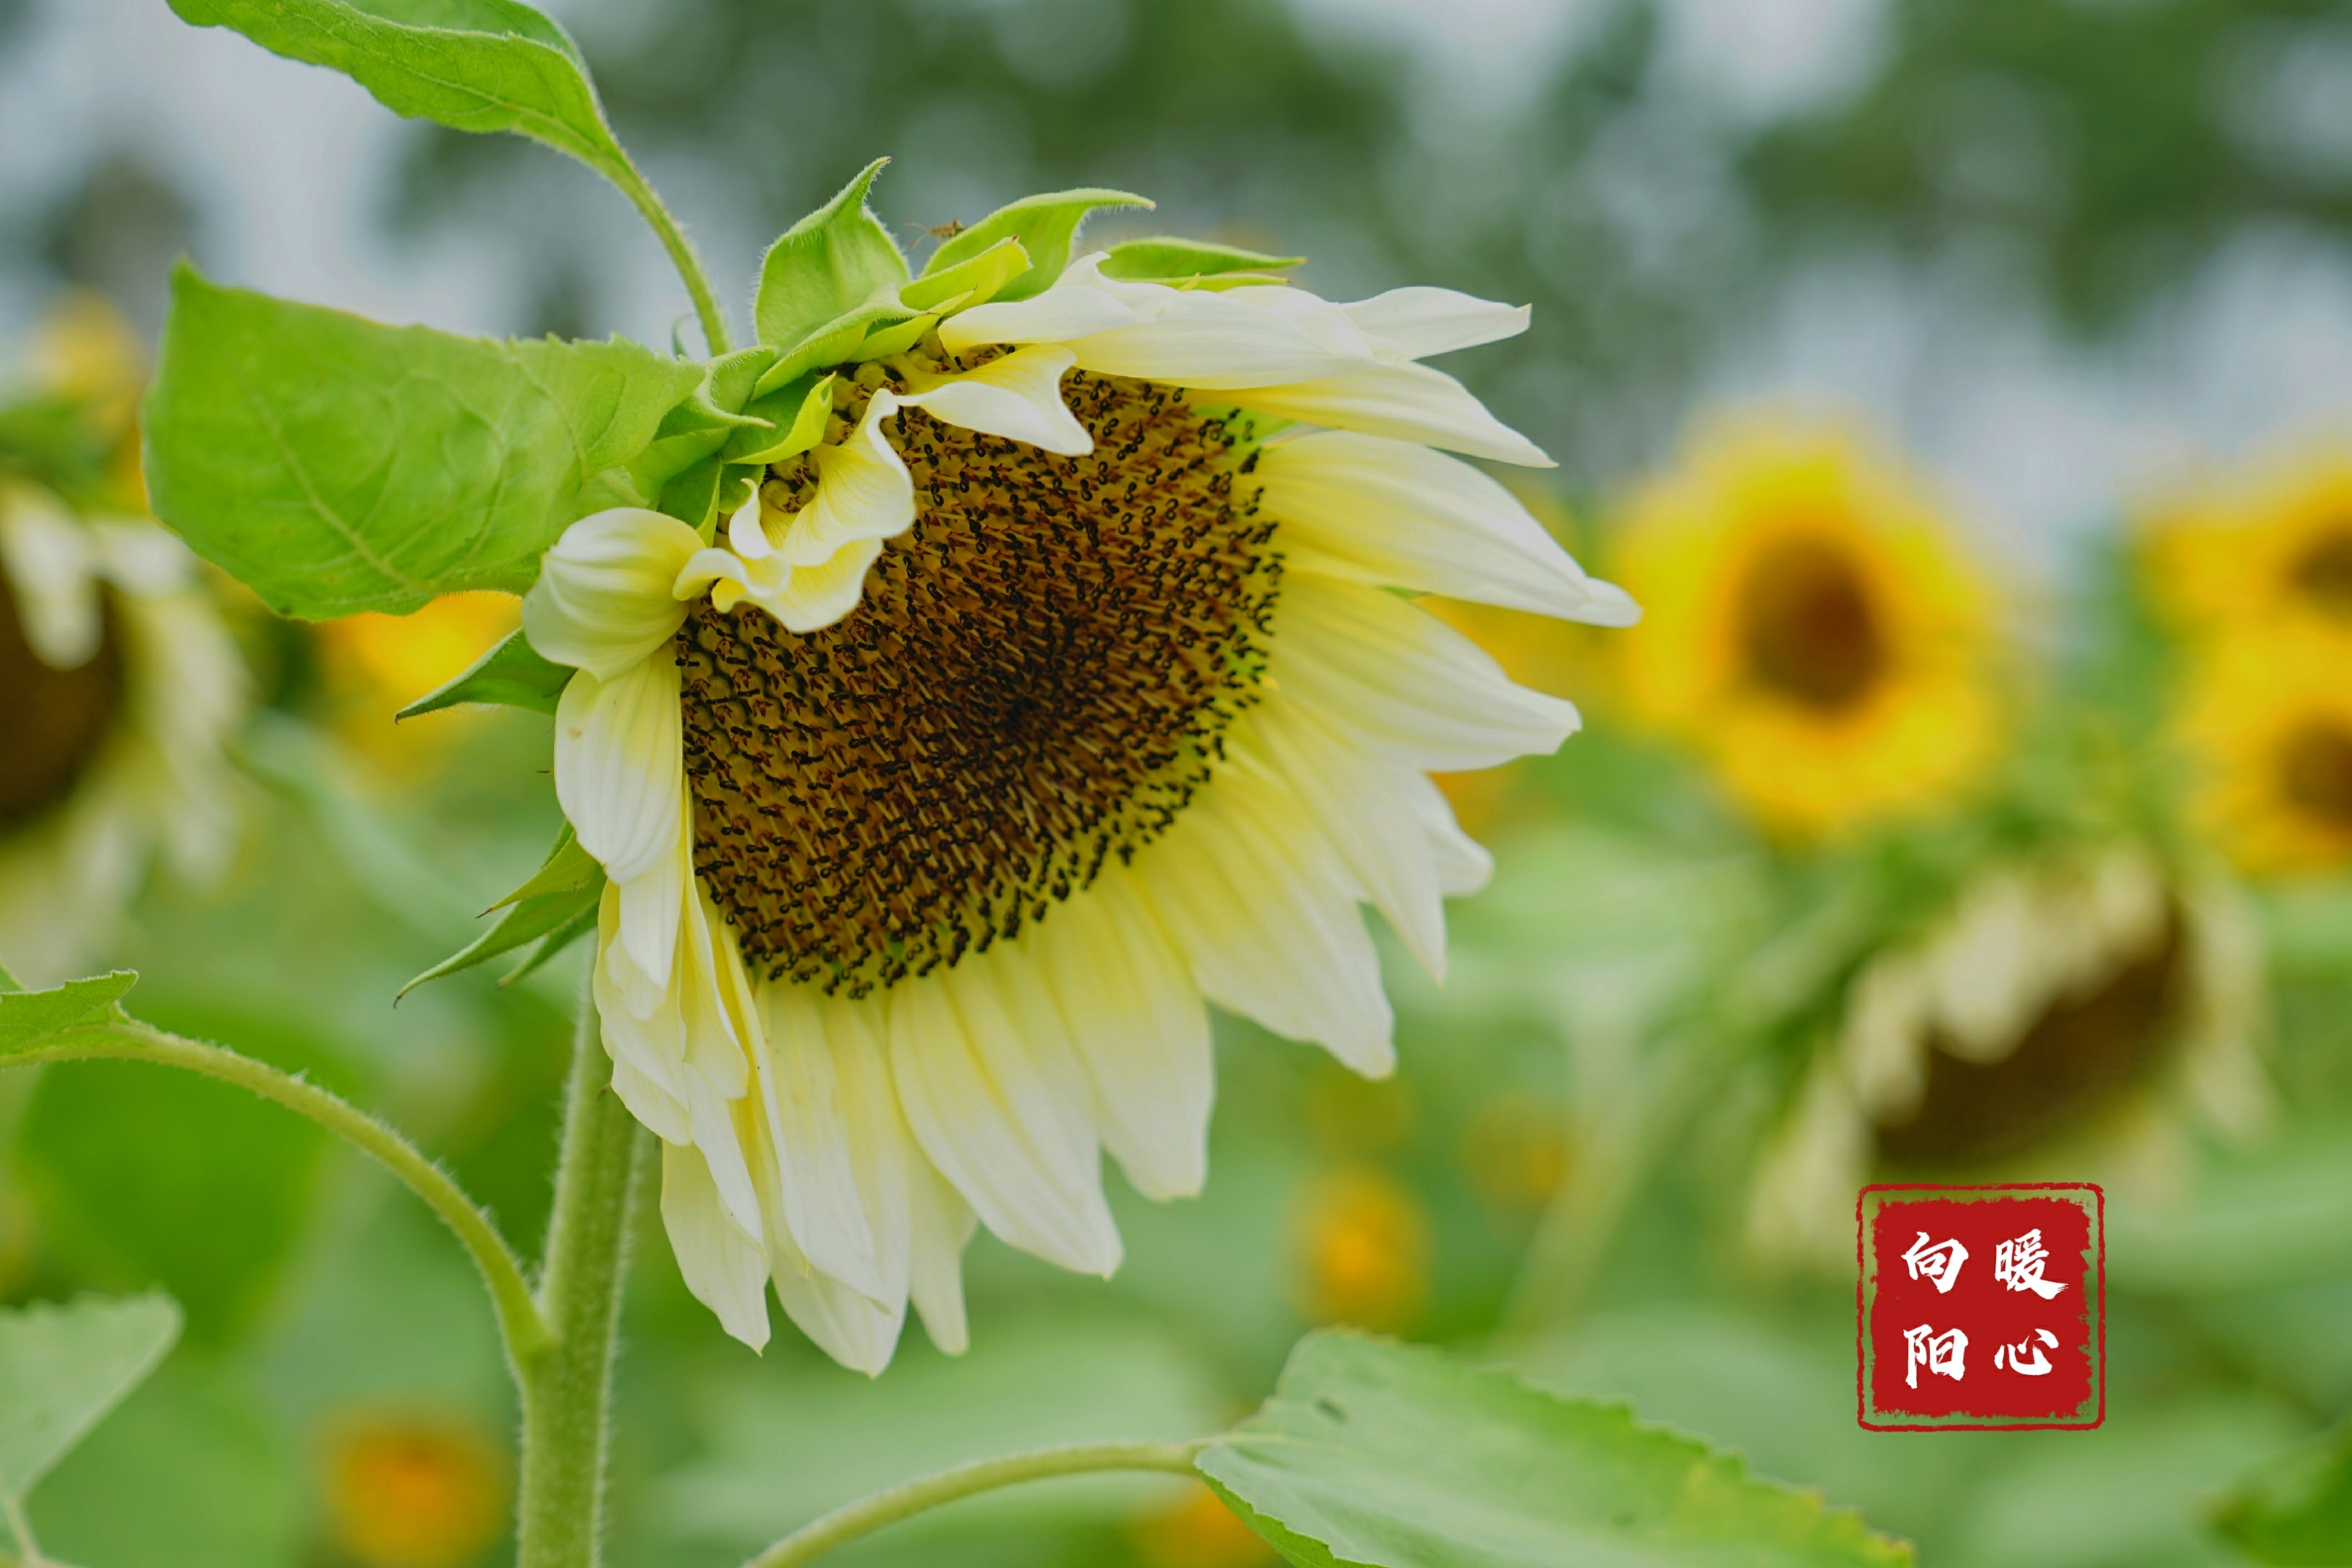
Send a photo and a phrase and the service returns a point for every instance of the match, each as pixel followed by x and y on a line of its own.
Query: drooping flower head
pixel 2096 1004
pixel 1041 679
pixel 118 681
pixel 1810 627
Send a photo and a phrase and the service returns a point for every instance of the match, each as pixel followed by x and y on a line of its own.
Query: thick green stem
pixel 867 1515
pixel 128 1040
pixel 567 1385
pixel 681 254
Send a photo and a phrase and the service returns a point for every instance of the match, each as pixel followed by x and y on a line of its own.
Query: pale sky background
pixel 2033 435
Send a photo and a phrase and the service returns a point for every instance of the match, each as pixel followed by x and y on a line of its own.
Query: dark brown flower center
pixel 1806 626
pixel 2322 572
pixel 2073 1060
pixel 2315 765
pixel 52 722
pixel 1037 679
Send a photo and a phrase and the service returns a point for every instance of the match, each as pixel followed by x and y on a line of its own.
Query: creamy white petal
pixel 1211 341
pixel 849 1325
pixel 1416 323
pixel 1017 396
pixel 1060 314
pixel 1406 401
pixel 141 559
pixel 863 492
pixel 652 904
pixel 604 597
pixel 50 562
pixel 716 1043
pixel 1362 807
pixel 828 1211
pixel 1403 684
pixel 1462 864
pixel 620 771
pixel 641 1029
pixel 1397 514
pixel 726 1269
pixel 815 597
pixel 717 1136
pixel 998 1115
pixel 939 1222
pixel 1259 904
pixel 1140 1029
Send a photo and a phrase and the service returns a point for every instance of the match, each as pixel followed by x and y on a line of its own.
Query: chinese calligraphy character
pixel 2014 1356
pixel 2018 1264
pixel 1935 1351
pixel 1939 1261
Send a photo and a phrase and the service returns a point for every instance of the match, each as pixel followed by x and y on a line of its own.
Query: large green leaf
pixel 831 262
pixel 1377 1453
pixel 26 1017
pixel 62 1368
pixel 335 465
pixel 1045 226
pixel 472 64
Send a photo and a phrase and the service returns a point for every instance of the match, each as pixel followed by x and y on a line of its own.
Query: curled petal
pixel 1018 397
pixel 863 492
pixel 605 597
pixel 1413 323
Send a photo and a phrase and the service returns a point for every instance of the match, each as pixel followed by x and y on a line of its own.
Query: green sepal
pixel 735 482
pixel 799 411
pixel 27 1017
pixel 471 65
pixel 834 343
pixel 554 942
pixel 970 282
pixel 892 340
pixel 566 887
pixel 334 465
pixel 692 497
pixel 1172 260
pixel 512 675
pixel 1045 226
pixel 832 261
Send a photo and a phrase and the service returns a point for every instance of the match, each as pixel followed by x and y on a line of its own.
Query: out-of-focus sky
pixel 287 174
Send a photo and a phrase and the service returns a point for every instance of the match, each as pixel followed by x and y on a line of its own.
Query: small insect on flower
pixel 1813 630
pixel 1047 686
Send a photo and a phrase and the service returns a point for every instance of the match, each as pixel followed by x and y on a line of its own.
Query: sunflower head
pixel 2268 547
pixel 2268 725
pixel 1809 626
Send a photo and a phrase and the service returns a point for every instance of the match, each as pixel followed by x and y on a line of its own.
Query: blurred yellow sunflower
pixel 2268 547
pixel 118 683
pixel 412 1489
pixel 1810 625
pixel 2086 1007
pixel 2268 718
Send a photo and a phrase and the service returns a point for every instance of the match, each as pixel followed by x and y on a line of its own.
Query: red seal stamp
pixel 1981 1307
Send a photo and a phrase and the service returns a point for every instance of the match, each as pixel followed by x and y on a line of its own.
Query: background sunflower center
pixel 2075 1057
pixel 2323 573
pixel 55 720
pixel 1807 627
pixel 2315 771
pixel 1035 679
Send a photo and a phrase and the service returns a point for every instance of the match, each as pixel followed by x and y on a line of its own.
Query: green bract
pixel 336 465
pixel 27 1017
pixel 1376 1453
pixel 556 906
pixel 1046 226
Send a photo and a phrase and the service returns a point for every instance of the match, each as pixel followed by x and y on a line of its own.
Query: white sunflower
pixel 1053 689
pixel 119 685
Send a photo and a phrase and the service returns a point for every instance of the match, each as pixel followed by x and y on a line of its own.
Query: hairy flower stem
pixel 707 309
pixel 867 1515
pixel 567 1385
